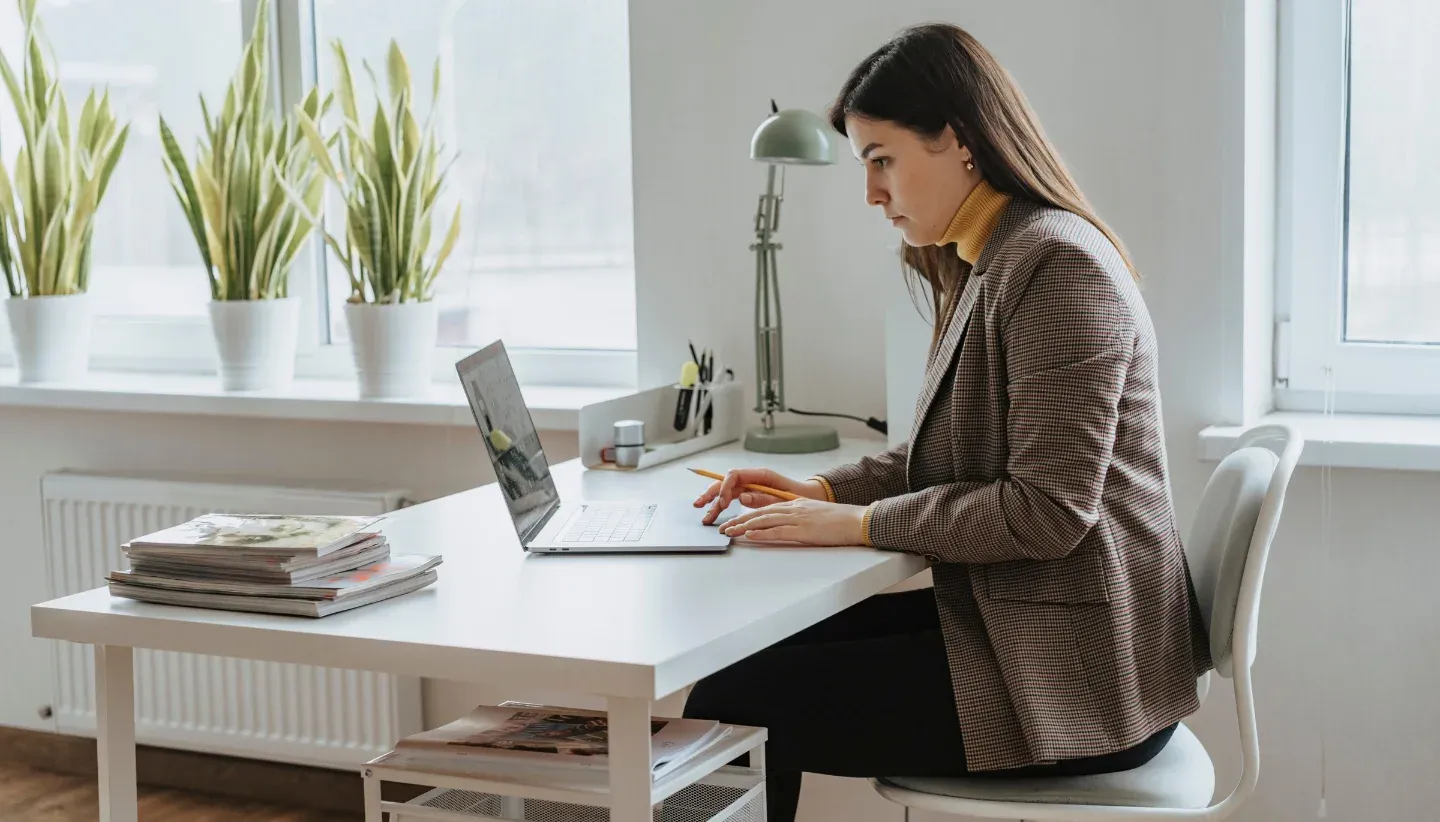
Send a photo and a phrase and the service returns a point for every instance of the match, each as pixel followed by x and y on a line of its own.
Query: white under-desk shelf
pixel 704 789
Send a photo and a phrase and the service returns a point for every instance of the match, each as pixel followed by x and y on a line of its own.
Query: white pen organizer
pixel 655 426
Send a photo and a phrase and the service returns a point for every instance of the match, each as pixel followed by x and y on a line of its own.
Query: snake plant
pixel 246 227
pixel 48 202
pixel 390 175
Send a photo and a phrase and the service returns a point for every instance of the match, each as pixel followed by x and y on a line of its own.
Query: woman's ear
pixel 966 156
pixel 955 135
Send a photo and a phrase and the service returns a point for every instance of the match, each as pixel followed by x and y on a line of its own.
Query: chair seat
pixel 1180 776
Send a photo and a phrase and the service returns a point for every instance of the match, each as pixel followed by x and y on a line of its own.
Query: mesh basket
pixel 479 804
pixel 698 803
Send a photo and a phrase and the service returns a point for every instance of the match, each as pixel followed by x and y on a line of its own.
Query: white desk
pixel 632 629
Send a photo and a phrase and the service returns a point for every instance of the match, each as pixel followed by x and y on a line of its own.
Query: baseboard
pixel 296 786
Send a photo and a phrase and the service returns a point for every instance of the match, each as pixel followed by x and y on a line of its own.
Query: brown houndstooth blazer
pixel 1042 501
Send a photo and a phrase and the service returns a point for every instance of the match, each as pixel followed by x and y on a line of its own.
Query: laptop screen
pixel 510 437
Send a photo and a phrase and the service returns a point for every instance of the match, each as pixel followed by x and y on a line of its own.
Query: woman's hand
pixel 803 520
pixel 732 487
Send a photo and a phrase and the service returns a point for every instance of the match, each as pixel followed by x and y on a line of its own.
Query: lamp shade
pixel 794 136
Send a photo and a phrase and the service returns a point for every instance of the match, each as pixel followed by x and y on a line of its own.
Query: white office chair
pixel 1234 526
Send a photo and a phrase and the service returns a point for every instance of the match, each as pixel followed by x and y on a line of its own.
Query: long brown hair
pixel 937 75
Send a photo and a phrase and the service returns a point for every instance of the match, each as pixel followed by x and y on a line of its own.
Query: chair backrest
pixel 1234 525
pixel 1230 540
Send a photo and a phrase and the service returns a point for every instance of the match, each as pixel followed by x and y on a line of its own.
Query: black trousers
pixel 866 693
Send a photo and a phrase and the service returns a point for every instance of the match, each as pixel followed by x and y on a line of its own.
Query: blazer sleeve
pixel 1067 346
pixel 870 479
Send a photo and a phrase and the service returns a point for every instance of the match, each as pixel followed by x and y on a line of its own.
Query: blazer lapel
pixel 1016 214
pixel 945 352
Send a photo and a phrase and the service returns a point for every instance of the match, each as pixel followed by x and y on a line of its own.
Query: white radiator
pixel 265 710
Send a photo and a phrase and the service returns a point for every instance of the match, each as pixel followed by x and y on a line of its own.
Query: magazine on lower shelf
pixel 554 737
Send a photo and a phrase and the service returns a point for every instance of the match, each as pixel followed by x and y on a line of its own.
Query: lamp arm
pixel 779 336
pixel 768 361
pixel 762 374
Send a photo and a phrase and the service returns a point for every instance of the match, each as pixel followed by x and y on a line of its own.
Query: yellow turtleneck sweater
pixel 977 217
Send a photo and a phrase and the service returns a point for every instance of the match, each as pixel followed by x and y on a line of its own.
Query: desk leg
pixel 372 796
pixel 629 759
pixel 115 738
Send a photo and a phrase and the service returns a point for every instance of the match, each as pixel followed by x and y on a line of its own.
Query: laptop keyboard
pixel 609 523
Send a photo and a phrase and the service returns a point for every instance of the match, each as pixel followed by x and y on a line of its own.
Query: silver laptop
pixel 543 521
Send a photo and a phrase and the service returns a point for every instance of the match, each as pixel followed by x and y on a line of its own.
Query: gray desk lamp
pixel 789 137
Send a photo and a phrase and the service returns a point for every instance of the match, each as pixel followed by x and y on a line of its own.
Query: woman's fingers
pixel 749 499
pixel 710 493
pixel 767 518
pixel 711 514
pixel 752 499
pixel 721 499
pixel 779 533
pixel 736 480
pixel 729 488
pixel 734 521
pixel 720 494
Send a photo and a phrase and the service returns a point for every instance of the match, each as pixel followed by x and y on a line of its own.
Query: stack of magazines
pixel 270 563
pixel 540 738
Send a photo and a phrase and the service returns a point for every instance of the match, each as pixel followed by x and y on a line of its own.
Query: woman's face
pixel 918 183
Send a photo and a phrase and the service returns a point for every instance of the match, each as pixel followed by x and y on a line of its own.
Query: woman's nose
pixel 875 195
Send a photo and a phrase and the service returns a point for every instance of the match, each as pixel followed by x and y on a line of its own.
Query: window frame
pixel 1316 368
pixel 185 345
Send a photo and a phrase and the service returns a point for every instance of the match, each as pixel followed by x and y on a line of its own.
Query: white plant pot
pixel 52 336
pixel 255 340
pixel 393 346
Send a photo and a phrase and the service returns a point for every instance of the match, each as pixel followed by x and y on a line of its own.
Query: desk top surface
pixel 618 625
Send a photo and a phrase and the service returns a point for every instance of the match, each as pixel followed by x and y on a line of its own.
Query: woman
pixel 1062 636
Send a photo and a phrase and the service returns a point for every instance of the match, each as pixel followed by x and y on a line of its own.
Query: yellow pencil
pixel 761 489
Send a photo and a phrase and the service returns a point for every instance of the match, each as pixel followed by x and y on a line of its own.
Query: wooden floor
pixel 29 795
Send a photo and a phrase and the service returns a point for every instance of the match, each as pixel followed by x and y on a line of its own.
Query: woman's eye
pixel 881 162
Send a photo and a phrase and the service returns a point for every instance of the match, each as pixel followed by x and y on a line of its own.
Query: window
pixel 146 277
pixel 535 99
pixel 534 103
pixel 1359 300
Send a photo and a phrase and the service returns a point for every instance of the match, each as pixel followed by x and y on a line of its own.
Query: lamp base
pixel 792 439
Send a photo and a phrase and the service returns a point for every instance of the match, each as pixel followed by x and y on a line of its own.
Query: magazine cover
pixel 268 533
pixel 556 736
pixel 549 732
pixel 207 560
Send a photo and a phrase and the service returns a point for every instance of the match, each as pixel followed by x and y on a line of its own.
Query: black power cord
pixel 872 423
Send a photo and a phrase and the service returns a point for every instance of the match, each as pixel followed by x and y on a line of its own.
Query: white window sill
pixel 1387 442
pixel 554 408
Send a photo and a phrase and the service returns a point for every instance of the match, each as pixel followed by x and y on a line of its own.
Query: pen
pixel 688 375
pixel 704 376
pixel 704 409
pixel 709 378
pixel 762 489
pixel 703 413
